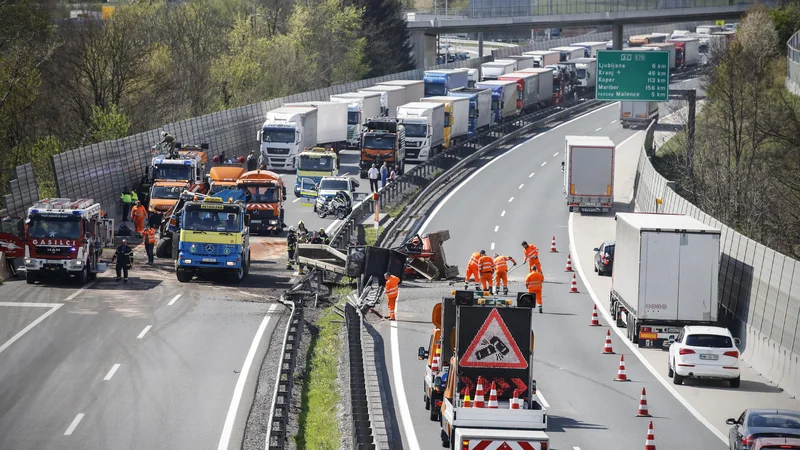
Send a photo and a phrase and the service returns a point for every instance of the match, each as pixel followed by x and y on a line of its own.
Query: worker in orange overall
pixel 391 289
pixel 501 272
pixel 472 270
pixel 138 216
pixel 531 256
pixel 486 264
pixel 150 242
pixel 534 282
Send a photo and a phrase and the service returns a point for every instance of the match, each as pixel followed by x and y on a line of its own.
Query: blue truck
pixel 480 108
pixel 504 97
pixel 441 82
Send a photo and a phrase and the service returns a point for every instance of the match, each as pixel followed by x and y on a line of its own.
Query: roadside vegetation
pixel 745 170
pixel 371 234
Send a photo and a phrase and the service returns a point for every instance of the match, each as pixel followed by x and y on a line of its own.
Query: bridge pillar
pixel 480 54
pixel 616 35
pixel 423 49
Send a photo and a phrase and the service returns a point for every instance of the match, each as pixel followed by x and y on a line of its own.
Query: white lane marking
pixel 31 304
pixel 614 121
pixel 531 175
pixel 498 158
pixel 174 299
pixel 74 424
pixel 405 414
pixel 629 138
pixel 576 448
pixel 224 440
pixel 503 214
pixel 79 292
pixel 555 154
pixel 511 200
pixel 53 307
pixel 296 200
pixel 634 349
pixel 492 247
pixel 544 163
pixel 599 129
pixel 496 227
pixel 146 329
pixel 111 372
pixel 250 294
pixel 330 227
pixel 542 399
pixel 520 186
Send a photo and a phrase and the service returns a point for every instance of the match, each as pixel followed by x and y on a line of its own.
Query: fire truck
pixel 66 237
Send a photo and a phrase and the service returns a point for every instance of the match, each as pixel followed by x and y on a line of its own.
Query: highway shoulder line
pixel 53 308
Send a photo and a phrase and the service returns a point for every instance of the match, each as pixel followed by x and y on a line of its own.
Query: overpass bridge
pixel 483 17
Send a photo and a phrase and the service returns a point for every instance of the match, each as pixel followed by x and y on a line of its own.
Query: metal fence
pixel 758 297
pixel 793 64
pixel 23 192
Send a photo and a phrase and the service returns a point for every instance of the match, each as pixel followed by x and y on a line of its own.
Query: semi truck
pixel 666 270
pixel 391 98
pixel 224 177
pixel 590 48
pixel 480 108
pixel 456 118
pixel 314 164
pixel 589 173
pixel 167 176
pixel 523 61
pixel 214 237
pixel 567 53
pixel 667 47
pixel 331 124
pixel 440 82
pixel 474 77
pixel 542 58
pixel 494 345
pixel 415 89
pixel 360 107
pixel 424 125
pixel 266 194
pixel 383 140
pixel 494 70
pixel 527 89
pixel 545 79
pixel 504 98
pixel 687 51
pixel 285 133
pixel 586 70
pixel 65 238
pixel 637 113
pixel 565 82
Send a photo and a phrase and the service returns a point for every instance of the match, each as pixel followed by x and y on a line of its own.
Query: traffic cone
pixel 478 403
pixel 515 401
pixel 553 246
pixel 492 397
pixel 595 321
pixel 569 264
pixel 621 376
pixel 436 355
pixel 607 350
pixel 650 441
pixel 574 288
pixel 643 412
pixel 466 403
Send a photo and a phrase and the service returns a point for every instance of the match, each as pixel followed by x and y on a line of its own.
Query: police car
pixel 329 186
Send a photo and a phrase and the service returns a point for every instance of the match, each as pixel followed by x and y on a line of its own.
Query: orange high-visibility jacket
pixel 392 288
pixel 500 263
pixel 486 264
pixel 532 252
pixel 474 260
pixel 534 281
pixel 150 236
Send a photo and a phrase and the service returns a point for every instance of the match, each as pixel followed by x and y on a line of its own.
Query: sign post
pixel 624 75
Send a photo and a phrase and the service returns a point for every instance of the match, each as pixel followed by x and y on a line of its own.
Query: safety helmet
pixel 301 224
pixel 483 252
pixel 322 230
pixel 291 229
pixel 163 134
pixel 524 243
pixel 496 255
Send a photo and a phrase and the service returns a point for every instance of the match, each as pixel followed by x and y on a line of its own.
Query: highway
pixel 518 196
pixel 148 364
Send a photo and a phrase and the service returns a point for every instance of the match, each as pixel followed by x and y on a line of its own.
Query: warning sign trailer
pixel 493 347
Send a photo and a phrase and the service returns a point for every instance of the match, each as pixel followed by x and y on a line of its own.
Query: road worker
pixel 138 216
pixel 531 256
pixel 534 282
pixel 149 242
pixel 391 289
pixel 486 264
pixel 291 247
pixel 472 270
pixel 501 271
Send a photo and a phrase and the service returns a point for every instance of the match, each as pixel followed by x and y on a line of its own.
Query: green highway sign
pixel 626 75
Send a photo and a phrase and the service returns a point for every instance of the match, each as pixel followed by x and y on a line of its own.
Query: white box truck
pixel 391 98
pixel 568 53
pixel 523 61
pixel 480 108
pixel 493 70
pixel 587 72
pixel 415 89
pixel 589 173
pixel 285 133
pixel 667 47
pixel 542 58
pixel 331 123
pixel 545 80
pixel 687 51
pixel 665 276
pixel 590 48
pixel 456 118
pixel 360 107
pixel 637 113
pixel 424 124
pixel 508 60
pixel 504 98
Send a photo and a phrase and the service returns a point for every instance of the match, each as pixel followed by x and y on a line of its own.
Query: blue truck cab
pixel 480 107
pixel 441 82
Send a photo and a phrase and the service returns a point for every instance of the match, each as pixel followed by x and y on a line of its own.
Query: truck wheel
pixel 445 440
pixel 184 276
pixel 427 403
pixel 81 277
pixel 434 412
pixel 31 277
pixel 236 275
pixel 164 248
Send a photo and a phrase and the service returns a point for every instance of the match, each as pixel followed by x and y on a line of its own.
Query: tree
pixel 108 124
pixel 787 22
pixel 388 49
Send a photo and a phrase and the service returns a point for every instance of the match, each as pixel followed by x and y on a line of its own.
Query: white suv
pixel 704 352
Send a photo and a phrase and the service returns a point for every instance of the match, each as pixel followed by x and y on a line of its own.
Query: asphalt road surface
pixel 151 364
pixel 518 196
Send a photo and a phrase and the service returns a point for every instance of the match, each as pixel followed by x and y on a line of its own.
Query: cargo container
pixel 415 89
pixel 504 98
pixel 542 58
pixel 439 82
pixel 361 106
pixel 590 48
pixel 424 125
pixel 589 173
pixel 637 113
pixel 331 123
pixel 687 51
pixel 493 70
pixel 523 61
pixel 480 108
pixel 666 47
pixel 527 89
pixel 391 98
pixel 545 80
pixel 567 53
pixel 456 118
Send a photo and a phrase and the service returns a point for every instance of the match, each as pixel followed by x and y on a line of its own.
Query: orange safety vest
pixel 486 264
pixel 392 288
pixel 534 281
pixel 139 212
pixel 474 260
pixel 150 236
pixel 500 263
pixel 531 252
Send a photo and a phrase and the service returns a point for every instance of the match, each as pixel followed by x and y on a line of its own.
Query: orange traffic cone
pixel 574 288
pixel 466 403
pixel 607 350
pixel 569 264
pixel 643 412
pixel 492 397
pixel 478 403
pixel 436 355
pixel 621 375
pixel 515 401
pixel 650 441
pixel 553 246
pixel 595 321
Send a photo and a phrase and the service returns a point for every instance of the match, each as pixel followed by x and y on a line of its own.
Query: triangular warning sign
pixel 493 347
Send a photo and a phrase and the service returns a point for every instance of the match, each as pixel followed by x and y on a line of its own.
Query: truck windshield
pixel 352 117
pixel 220 187
pixel 417 130
pixel 434 89
pixel 320 164
pixel 333 185
pixel 166 192
pixel 283 135
pixel 261 194
pixel 581 74
pixel 225 219
pixel 57 228
pixel 172 172
pixel 472 112
pixel 556 87
pixel 378 142
pixel 495 104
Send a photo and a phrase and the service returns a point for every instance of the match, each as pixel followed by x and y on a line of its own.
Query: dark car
pixel 762 423
pixel 776 443
pixel 604 258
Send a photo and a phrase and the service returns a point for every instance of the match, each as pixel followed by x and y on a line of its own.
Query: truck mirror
pixel 258 136
pixel 595 249
pixel 422 353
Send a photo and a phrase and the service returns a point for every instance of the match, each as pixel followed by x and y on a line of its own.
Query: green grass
pixel 394 211
pixel 371 234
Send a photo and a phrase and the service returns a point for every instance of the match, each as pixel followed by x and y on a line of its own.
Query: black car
pixel 604 258
pixel 762 423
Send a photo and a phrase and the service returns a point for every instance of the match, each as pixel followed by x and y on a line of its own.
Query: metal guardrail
pixel 793 64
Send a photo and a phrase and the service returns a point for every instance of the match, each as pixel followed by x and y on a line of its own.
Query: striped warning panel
pixel 504 445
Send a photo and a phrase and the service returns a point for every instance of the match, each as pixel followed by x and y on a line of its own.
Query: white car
pixel 704 352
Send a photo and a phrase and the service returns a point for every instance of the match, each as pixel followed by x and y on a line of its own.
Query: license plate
pixel 708 357
pixel 591 204
pixel 590 209
pixel 209 260
pixel 255 221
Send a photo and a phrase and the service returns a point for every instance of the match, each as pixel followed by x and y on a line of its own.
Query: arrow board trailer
pixel 589 173
pixel 415 89
pixel 391 98
pixel 666 275
pixel 331 123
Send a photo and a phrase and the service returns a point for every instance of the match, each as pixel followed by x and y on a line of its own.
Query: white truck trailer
pixel 545 80
pixel 424 124
pixel 504 97
pixel 666 275
pixel 360 107
pixel 568 53
pixel 589 173
pixel 637 113
pixel 667 47
pixel 456 118
pixel 590 48
pixel 543 58
pixel 285 133
pixel 415 89
pixel 523 61
pixel 687 51
pixel 331 123
pixel 391 98
pixel 494 70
